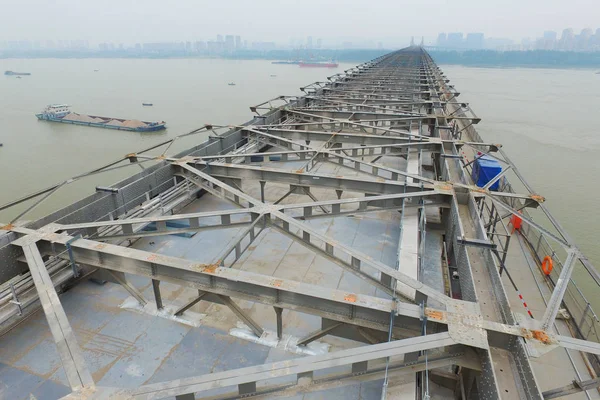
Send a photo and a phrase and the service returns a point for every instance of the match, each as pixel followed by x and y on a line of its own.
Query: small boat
pixel 18 77
pixel 273 76
pixel 96 70
pixel 231 83
pixel 62 113
pixel 147 104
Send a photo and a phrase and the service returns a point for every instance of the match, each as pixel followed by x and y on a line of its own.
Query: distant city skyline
pixel 586 40
pixel 335 21
pixel 218 44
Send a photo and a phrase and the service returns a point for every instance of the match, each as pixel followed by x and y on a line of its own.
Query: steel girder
pixel 221 283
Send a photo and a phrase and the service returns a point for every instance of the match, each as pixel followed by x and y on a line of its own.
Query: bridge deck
pixel 334 246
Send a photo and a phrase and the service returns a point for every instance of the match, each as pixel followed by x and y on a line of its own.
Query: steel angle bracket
pixel 475 242
pixel 71 258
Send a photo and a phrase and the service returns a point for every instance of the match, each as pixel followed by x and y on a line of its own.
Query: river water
pixel 545 118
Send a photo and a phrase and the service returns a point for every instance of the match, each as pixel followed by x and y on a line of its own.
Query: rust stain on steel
pixel 538 198
pixel 541 336
pixel 152 257
pixel 7 227
pixel 211 268
pixel 434 314
pixel 526 333
pixel 351 297
pixel 299 171
pixel 277 283
pixel 100 246
pixel 536 334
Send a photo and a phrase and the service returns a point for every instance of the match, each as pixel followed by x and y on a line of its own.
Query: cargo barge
pixel 12 73
pixel 62 113
pixel 319 64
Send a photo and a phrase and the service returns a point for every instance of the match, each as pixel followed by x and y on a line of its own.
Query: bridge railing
pixel 580 299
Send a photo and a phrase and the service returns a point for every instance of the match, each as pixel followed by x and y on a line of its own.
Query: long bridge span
pixel 335 246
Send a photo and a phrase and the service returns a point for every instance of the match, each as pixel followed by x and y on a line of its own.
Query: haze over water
pixel 544 118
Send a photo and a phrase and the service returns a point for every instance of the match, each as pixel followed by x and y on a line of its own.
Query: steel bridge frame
pixel 398 105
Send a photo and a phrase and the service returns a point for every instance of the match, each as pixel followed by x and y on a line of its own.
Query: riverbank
pixel 470 58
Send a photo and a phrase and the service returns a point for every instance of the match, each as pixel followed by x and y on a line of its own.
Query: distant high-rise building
pixel 318 43
pixel 584 39
pixel 245 44
pixel 229 42
pixel 238 42
pixel 442 40
pixel 567 40
pixel 309 43
pixel 422 41
pixel 548 41
pixel 200 46
pixel 474 40
pixel 595 41
pixel 219 38
pixel 412 40
pixel 212 47
pixel 455 40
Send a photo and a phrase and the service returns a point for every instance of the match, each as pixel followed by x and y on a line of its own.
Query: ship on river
pixel 318 64
pixel 62 113
pixel 12 73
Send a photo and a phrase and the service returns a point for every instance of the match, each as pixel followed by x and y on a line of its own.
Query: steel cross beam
pixel 350 308
pixel 337 305
pixel 341 137
pixel 246 378
pixel 69 351
pixel 284 155
pixel 335 153
pixel 559 290
pixel 352 184
pixel 243 217
pixel 357 258
pixel 193 219
pixel 361 116
pixel 362 123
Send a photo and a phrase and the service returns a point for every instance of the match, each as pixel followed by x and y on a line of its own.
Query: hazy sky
pixel 131 21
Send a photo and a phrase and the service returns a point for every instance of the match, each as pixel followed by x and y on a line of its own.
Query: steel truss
pixel 399 105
